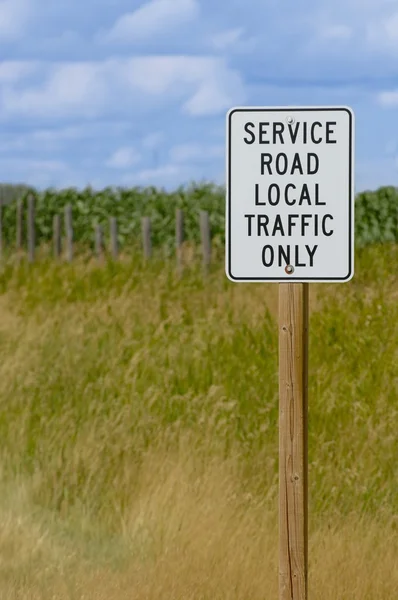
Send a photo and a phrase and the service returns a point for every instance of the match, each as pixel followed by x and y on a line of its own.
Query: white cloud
pixel 14 70
pixel 123 158
pixel 190 152
pixel 390 27
pixel 216 95
pixel 154 176
pixel 152 140
pixel 32 171
pixel 206 84
pixel 14 15
pixel 227 38
pixel 337 32
pixel 150 19
pixel 383 34
pixel 57 95
pixel 388 99
pixel 33 164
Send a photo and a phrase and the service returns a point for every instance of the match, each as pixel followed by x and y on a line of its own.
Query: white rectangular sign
pixel 290 194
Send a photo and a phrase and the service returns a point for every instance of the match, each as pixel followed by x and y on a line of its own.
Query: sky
pixel 131 93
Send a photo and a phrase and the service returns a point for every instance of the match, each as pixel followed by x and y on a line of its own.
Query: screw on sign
pixel 290 219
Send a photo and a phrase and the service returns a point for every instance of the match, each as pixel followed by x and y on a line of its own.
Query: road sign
pixel 290 194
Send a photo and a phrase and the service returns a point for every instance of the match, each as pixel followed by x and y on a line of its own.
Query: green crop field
pixel 376 213
pixel 139 420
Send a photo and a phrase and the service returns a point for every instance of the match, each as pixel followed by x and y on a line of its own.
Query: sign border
pixel 351 202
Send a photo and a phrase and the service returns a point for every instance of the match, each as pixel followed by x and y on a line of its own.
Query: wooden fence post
pixel 1 225
pixel 31 228
pixel 179 239
pixel 99 241
pixel 114 241
pixel 206 239
pixel 57 245
pixel 69 232
pixel 19 225
pixel 293 441
pixel 146 237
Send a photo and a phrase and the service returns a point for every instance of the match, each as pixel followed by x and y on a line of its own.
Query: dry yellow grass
pixel 188 536
pixel 138 448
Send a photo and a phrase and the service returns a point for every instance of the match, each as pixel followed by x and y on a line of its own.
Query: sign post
pixel 290 220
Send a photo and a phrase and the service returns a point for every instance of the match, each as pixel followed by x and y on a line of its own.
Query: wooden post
pixel 69 232
pixel 99 241
pixel 206 239
pixel 31 228
pixel 179 238
pixel 19 225
pixel 113 232
pixel 293 441
pixel 57 236
pixel 146 237
pixel 1 225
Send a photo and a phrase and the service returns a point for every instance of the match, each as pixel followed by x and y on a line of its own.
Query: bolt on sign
pixel 290 194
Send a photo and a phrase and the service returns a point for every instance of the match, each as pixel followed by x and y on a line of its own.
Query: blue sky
pixel 118 92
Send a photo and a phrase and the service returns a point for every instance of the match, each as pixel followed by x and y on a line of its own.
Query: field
pixel 376 214
pixel 139 434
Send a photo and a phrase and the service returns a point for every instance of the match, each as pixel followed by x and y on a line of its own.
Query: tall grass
pixel 138 428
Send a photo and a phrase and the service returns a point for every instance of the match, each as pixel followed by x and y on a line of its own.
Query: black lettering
pixel 272 202
pixel 278 130
pixel 305 195
pixel 323 225
pixel 266 160
pixel 296 253
pixel 271 251
pixel 296 164
pixel 304 133
pixel 291 202
pixel 290 223
pixel 294 134
pixel 304 223
pixel 263 132
pixel 311 254
pixel 316 124
pixel 262 222
pixel 249 224
pixel 279 170
pixel 278 226
pixel 252 136
pixel 283 255
pixel 315 167
pixel 257 196
pixel 330 132
pixel 317 201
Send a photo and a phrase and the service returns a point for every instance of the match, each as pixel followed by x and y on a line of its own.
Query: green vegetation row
pixel 376 213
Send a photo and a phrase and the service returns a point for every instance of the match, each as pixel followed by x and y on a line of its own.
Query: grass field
pixel 139 433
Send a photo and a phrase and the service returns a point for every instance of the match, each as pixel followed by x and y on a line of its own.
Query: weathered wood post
pixel 31 228
pixel 179 239
pixel 68 232
pixel 206 240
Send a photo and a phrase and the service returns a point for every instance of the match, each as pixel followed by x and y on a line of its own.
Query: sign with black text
pixel 290 194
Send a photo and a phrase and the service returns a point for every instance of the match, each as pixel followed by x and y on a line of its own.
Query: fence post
pixel 99 241
pixel 113 232
pixel 179 239
pixel 206 239
pixel 69 232
pixel 57 236
pixel 1 225
pixel 146 237
pixel 31 228
pixel 19 225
